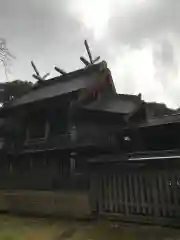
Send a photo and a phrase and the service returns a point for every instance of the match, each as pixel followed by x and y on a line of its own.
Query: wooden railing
pixel 174 153
pixel 65 141
pixel 149 194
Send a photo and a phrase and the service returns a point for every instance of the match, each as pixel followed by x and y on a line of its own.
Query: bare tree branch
pixel 5 57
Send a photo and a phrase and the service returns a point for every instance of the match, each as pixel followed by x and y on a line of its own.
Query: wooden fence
pixel 134 191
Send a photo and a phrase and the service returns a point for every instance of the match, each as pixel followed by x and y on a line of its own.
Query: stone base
pixel 56 203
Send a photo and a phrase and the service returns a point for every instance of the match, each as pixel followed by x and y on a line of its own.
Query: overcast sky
pixel 139 39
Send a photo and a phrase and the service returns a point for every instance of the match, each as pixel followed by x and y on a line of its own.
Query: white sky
pixel 139 39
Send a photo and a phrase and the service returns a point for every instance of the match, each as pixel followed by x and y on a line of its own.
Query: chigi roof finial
pixel 91 60
pixel 37 75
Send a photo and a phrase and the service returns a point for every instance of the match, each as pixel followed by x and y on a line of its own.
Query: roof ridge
pixel 68 76
pixel 71 82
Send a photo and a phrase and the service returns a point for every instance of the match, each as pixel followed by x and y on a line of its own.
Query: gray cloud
pixel 156 22
pixel 146 21
pixel 153 20
pixel 49 33
pixel 42 31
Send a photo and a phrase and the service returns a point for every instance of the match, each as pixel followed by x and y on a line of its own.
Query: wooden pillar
pixel 27 135
pixel 73 156
pixel 138 143
pixel 47 129
pixel 70 116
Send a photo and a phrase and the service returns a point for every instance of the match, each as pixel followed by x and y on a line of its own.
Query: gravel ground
pixel 18 228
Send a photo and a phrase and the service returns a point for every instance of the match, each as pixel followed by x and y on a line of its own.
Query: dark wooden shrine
pixel 72 146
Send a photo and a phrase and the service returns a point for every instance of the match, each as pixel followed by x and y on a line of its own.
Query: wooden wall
pixel 137 192
pixel 44 184
pixel 47 171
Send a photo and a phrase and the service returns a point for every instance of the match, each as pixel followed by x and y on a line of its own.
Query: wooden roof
pixel 118 103
pixel 60 85
pixel 169 119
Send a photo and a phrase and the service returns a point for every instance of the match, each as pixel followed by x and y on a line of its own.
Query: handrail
pixel 158 152
pixel 64 141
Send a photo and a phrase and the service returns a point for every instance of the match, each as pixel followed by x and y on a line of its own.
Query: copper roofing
pixel 119 103
pixel 60 85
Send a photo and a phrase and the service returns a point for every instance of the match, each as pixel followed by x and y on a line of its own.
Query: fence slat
pixel 131 199
pixel 125 187
pixel 168 194
pixel 149 195
pixel 178 193
pixel 93 192
pixel 161 195
pixel 174 193
pixel 155 196
pixel 120 194
pixel 142 197
pixel 151 191
pixel 110 192
pixel 137 194
pixel 100 194
pixel 106 196
pixel 115 190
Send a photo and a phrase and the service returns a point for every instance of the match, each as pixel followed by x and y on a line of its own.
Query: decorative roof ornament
pixel 91 60
pixel 59 70
pixel 37 75
pixel 103 65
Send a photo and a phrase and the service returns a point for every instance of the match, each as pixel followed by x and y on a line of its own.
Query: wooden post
pixel 174 192
pixel 136 192
pixel 94 193
pixel 162 194
pixel 30 162
pixel 149 193
pixel 27 135
pixel 120 194
pixel 115 191
pixel 110 192
pixel 10 167
pixel 72 162
pixel 155 197
pixel 126 202
pixel 131 202
pixel 70 115
pixel 47 129
pixel 168 193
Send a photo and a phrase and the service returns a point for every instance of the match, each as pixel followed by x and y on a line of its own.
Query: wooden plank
pixel 120 194
pixel 97 192
pixel 162 205
pixel 106 196
pixel 136 192
pixel 110 192
pixel 130 189
pixel 100 194
pixel 92 193
pixel 175 194
pixel 143 219
pixel 169 204
pixel 155 196
pixel 115 189
pixel 103 193
pixel 178 192
pixel 125 187
pixel 142 197
pixel 149 193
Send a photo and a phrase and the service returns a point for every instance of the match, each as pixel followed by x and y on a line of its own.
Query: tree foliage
pixel 5 57
pixel 16 89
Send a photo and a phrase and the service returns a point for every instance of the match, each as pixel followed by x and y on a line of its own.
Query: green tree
pixel 16 89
